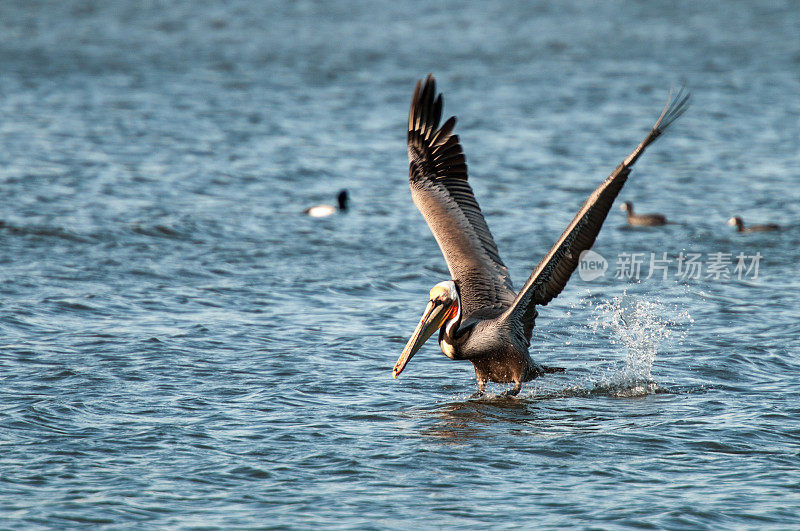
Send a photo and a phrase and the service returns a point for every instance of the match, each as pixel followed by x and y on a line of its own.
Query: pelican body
pixel 479 315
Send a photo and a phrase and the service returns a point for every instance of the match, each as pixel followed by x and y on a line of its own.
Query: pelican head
pixel 444 305
pixel 736 221
pixel 626 207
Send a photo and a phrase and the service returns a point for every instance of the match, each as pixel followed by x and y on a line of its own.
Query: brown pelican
pixel 480 317
pixel 737 222
pixel 647 220
pixel 321 211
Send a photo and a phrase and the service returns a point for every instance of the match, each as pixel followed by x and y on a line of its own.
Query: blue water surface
pixel 181 347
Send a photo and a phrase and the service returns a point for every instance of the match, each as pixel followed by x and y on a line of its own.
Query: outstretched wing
pixel 438 178
pixel 553 272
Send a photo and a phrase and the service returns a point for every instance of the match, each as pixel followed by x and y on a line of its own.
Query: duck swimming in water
pixel 642 220
pixel 321 211
pixel 478 314
pixel 737 222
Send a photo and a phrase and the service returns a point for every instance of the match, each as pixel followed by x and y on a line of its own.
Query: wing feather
pixel 439 187
pixel 551 275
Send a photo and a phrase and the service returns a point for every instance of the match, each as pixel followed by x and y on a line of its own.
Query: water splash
pixel 641 326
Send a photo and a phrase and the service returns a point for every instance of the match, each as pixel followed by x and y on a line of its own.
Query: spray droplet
pixel 641 326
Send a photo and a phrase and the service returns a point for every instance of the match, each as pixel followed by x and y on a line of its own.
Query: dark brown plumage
pixel 737 222
pixel 642 220
pixel 480 317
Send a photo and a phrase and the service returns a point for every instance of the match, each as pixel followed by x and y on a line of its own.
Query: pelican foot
pixel 481 389
pixel 514 391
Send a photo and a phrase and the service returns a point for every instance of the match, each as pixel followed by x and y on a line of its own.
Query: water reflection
pixel 458 422
pixel 469 420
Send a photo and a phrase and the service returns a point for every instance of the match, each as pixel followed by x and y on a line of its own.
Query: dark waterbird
pixel 479 316
pixel 642 220
pixel 737 222
pixel 321 211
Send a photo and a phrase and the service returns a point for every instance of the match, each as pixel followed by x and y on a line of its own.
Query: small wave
pixel 43 231
pixel 627 389
pixel 183 233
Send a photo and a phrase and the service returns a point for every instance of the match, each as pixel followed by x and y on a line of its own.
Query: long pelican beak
pixel 435 315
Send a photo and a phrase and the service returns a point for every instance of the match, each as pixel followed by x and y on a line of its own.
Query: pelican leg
pixel 514 391
pixel 481 389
